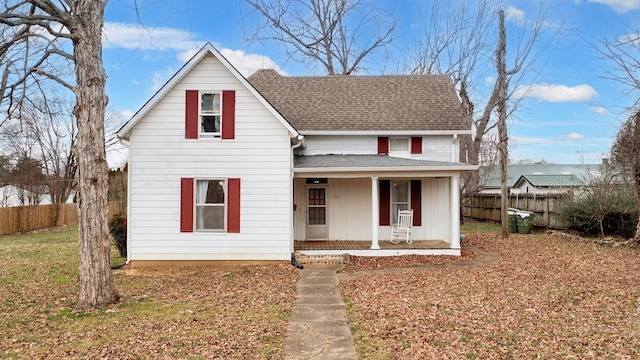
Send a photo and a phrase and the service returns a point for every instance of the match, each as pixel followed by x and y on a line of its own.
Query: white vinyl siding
pixel 259 155
pixel 349 216
pixel 434 147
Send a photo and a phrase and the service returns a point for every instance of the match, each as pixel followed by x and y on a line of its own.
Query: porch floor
pixel 366 245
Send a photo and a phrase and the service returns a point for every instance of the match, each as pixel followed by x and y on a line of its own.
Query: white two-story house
pixel 227 168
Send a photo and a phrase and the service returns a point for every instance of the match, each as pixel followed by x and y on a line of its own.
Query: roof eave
pixel 379 169
pixel 384 132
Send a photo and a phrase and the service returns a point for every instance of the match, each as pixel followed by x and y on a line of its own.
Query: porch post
pixel 374 213
pixel 455 212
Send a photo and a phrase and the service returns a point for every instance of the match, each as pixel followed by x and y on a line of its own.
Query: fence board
pixel 487 207
pixel 16 219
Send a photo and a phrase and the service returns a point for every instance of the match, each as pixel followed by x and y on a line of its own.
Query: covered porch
pixel 363 247
pixel 341 199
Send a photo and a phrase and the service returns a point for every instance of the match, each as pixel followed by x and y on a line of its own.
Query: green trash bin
pixel 525 221
pixel 513 221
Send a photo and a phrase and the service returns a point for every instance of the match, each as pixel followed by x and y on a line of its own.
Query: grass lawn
pixel 548 298
pixel 182 313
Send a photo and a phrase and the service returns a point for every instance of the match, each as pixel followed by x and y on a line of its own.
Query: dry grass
pixel 232 313
pixel 548 298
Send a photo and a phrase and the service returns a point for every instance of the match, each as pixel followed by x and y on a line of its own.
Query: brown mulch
pixel 548 298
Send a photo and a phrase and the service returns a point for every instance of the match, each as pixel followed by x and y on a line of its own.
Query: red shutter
pixel 383 145
pixel 233 206
pixel 191 122
pixel 186 205
pixel 416 202
pixel 385 202
pixel 416 145
pixel 228 114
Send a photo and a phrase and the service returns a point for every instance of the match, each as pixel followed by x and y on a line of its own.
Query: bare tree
pixel 51 127
pixel 459 38
pixel 501 103
pixel 624 153
pixel 338 34
pixel 37 34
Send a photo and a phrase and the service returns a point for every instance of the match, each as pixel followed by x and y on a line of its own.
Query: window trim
pixel 225 205
pixel 403 153
pixel 209 135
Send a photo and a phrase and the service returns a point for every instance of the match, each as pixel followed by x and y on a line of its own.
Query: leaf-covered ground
pixel 200 312
pixel 549 298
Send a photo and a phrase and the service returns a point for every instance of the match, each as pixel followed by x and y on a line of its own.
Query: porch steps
pixel 332 259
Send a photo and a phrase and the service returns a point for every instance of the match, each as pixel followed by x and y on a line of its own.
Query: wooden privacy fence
pixel 17 219
pixel 545 207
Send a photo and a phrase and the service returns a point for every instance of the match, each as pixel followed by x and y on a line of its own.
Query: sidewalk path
pixel 318 328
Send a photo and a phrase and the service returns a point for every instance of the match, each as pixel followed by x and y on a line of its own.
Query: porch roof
pixel 367 163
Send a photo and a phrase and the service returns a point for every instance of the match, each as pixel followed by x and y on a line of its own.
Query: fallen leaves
pixel 198 312
pixel 547 298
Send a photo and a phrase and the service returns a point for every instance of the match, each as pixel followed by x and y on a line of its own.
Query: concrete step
pixel 329 259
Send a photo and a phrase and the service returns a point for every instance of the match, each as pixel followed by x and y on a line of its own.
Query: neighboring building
pixel 12 195
pixel 227 168
pixel 538 179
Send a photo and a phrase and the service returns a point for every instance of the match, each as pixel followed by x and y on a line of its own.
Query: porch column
pixel 374 213
pixel 455 212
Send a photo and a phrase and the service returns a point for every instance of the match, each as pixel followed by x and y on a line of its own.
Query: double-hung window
pixel 399 198
pixel 210 205
pixel 210 114
pixel 399 147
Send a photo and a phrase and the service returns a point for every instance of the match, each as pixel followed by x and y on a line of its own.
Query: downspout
pixel 300 142
pixel 453 149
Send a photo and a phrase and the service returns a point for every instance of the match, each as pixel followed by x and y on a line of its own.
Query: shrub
pixel 602 210
pixel 118 230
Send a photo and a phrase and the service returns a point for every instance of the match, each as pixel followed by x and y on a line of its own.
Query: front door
pixel 317 213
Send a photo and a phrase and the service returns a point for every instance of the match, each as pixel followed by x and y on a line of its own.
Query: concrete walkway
pixel 318 328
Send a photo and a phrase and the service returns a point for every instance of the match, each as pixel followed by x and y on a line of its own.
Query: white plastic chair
pixel 402 230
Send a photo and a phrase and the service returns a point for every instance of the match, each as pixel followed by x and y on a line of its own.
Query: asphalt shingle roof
pixel 361 103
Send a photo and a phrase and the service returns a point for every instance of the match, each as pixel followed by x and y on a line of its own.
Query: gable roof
pixel 490 175
pixel 207 49
pixel 419 103
pixel 552 180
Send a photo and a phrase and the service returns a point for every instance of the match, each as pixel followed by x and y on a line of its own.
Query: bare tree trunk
pixel 96 287
pixel 502 122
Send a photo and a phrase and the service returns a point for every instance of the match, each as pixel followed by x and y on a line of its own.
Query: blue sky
pixel 570 113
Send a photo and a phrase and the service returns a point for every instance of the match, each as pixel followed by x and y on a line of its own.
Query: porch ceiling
pixel 372 163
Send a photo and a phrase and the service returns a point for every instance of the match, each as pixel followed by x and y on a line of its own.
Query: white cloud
pixel 621 6
pixel 601 110
pixel 126 114
pixel 247 64
pixel 160 77
pixel 514 14
pixel 571 137
pixel 135 37
pixel 556 93
pixel 490 80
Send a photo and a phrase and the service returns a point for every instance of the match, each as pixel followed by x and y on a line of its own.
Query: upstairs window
pixel 399 147
pixel 210 115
